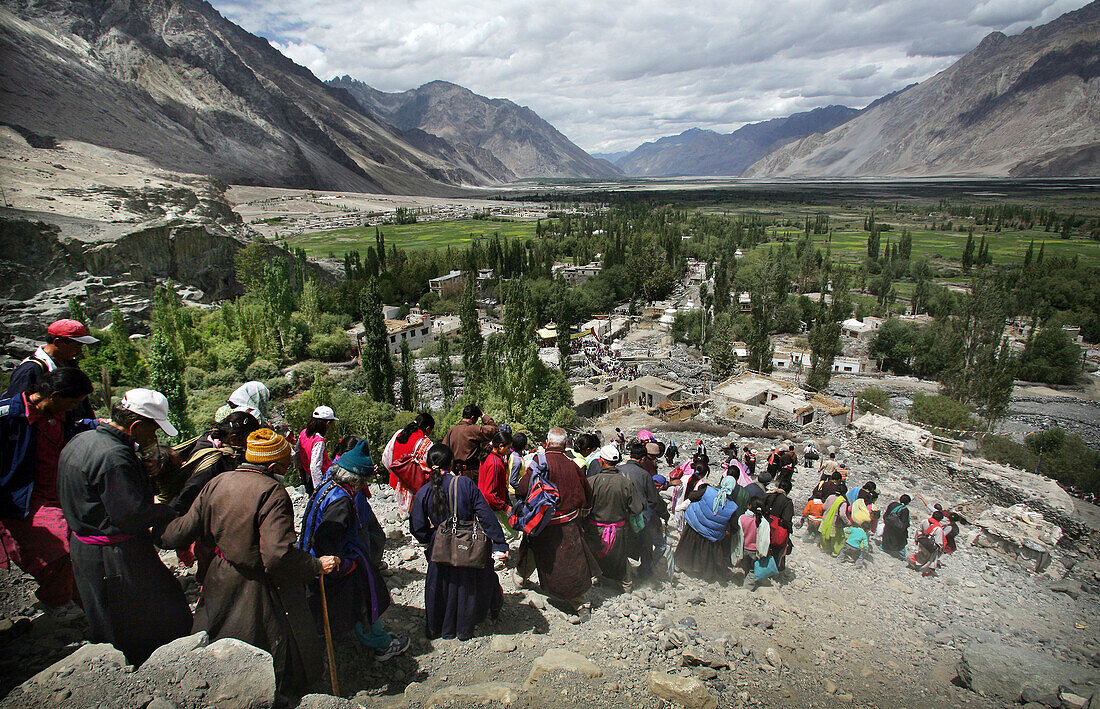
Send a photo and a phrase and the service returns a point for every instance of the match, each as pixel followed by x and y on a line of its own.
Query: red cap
pixel 71 330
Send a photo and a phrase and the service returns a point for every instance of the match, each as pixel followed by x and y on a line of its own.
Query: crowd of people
pixel 602 357
pixel 85 503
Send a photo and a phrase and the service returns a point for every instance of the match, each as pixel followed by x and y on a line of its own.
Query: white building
pixel 416 329
pixel 858 330
pixel 445 286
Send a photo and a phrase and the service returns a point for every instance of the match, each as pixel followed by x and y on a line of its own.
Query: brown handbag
pixel 458 542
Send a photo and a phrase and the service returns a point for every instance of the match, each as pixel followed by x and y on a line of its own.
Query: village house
pixel 646 392
pixel 448 285
pixel 416 329
pixel 576 275
pixel 858 330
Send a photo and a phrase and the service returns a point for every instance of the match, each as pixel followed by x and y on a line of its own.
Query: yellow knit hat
pixel 265 446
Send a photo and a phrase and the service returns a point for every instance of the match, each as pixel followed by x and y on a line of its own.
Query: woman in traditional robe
pixel 456 599
pixel 255 587
pixel 339 522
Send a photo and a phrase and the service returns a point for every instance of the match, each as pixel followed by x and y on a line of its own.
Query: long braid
pixel 440 458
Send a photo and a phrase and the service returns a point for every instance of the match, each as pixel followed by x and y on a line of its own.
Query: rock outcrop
pixel 1014 106
pixel 185 673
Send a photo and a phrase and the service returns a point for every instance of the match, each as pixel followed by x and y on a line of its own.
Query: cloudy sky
pixel 614 74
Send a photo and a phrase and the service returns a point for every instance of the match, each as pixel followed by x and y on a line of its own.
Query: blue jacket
pixel 17 442
pixel 700 515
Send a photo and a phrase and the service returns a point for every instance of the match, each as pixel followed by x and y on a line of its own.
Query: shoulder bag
pixel 458 542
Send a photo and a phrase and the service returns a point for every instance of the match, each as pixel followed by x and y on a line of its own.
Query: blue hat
pixel 357 460
pixel 660 480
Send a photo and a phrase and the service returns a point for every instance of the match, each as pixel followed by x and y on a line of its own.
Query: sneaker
pixel 65 613
pixel 397 646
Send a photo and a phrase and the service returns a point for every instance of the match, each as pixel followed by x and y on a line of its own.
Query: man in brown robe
pixel 466 438
pixel 254 590
pixel 565 564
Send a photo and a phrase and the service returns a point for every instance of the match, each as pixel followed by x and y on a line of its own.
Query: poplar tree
pixel 166 376
pixel 410 393
pixel 446 374
pixel 470 330
pixel 375 360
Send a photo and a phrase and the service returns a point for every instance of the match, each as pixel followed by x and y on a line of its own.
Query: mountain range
pixel 1026 105
pixel 516 135
pixel 705 152
pixel 174 82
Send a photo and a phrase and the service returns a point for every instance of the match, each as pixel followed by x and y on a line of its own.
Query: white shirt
pixel 316 460
pixel 41 356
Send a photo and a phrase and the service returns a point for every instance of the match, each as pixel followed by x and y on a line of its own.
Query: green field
pixel 411 237
pixel 1004 247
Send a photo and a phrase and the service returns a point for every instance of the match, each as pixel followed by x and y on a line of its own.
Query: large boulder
pixel 94 675
pixel 557 659
pixel 993 669
pixel 685 691
pixel 473 695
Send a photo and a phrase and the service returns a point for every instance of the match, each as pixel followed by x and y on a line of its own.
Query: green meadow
pixel 1005 246
pixel 411 237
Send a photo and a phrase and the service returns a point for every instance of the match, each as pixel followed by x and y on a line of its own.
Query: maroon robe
pixel 565 564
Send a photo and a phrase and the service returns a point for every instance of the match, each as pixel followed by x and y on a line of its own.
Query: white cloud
pixel 613 75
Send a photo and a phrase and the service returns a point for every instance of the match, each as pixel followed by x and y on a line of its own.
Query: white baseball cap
pixel 151 405
pixel 324 413
pixel 610 454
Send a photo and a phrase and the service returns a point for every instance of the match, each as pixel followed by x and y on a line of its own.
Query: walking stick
pixel 328 639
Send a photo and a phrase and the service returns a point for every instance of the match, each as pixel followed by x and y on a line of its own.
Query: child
pixel 857 545
pixel 811 517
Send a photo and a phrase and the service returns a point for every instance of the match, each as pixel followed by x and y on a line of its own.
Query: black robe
pixel 457 599
pixel 893 541
pixel 131 599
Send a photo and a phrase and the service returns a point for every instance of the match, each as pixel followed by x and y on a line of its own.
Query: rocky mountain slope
pixel 174 81
pixel 705 152
pixel 516 135
pixel 1027 105
pixel 106 228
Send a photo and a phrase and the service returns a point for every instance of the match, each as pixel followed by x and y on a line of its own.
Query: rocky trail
pixel 984 632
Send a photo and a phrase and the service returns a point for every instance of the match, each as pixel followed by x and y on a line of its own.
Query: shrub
pixel 233 355
pixel 222 378
pixel 942 412
pixel 873 399
pixel 260 370
pixel 303 376
pixel 330 348
pixel 202 359
pixel 280 387
pixel 194 378
pixel 1003 449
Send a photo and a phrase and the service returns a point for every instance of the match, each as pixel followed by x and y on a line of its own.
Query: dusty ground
pixel 881 636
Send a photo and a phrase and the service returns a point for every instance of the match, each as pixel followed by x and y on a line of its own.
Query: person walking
pixel 895 529
pixel 406 459
pixel 312 450
pixel 564 562
pixel 466 438
pixel 704 548
pixel 65 341
pixel 131 599
pixel 614 502
pixel 492 480
pixel 648 542
pixel 456 599
pixel 255 587
pixel 339 522
pixel 33 532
